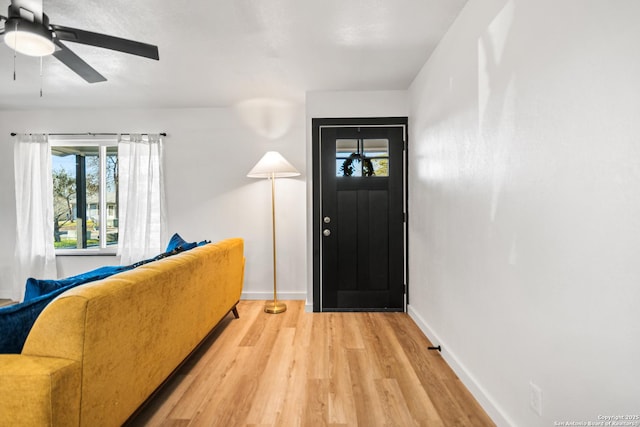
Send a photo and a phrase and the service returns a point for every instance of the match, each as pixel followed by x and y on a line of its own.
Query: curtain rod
pixel 94 134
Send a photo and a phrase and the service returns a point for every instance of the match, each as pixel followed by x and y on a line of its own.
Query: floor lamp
pixel 272 165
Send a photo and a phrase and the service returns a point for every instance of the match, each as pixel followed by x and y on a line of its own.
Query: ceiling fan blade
pixel 106 42
pixel 73 61
pixel 30 10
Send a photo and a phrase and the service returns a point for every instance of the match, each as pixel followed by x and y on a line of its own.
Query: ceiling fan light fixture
pixel 27 30
pixel 29 38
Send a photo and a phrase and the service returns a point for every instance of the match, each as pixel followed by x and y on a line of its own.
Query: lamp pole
pixel 274 307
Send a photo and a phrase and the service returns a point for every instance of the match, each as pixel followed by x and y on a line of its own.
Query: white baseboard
pixel 269 295
pixel 478 392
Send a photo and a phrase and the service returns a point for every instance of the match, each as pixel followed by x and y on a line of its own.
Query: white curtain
pixel 142 217
pixel 34 252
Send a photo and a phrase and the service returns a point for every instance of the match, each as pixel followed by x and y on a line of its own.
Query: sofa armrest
pixel 39 391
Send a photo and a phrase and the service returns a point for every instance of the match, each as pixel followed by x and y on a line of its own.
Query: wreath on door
pixel 348 168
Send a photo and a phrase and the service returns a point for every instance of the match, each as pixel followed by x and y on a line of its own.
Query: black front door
pixel 361 233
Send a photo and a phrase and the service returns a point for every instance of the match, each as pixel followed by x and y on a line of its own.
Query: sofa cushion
pixel 16 320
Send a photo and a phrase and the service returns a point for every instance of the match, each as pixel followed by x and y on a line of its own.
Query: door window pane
pixel 347 157
pixel 377 150
pixel 362 157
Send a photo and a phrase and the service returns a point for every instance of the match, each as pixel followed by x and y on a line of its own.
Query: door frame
pixel 317 125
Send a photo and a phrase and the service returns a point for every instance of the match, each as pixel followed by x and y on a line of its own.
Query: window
pixel 85 195
pixel 362 157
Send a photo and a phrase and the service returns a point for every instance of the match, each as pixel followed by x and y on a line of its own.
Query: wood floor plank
pixel 394 407
pixel 273 380
pixel 375 362
pixel 416 398
pixel 341 400
pixel 304 335
pixel 352 332
pixel 368 408
pixel 314 369
pixel 316 411
pixel 318 367
pixel 293 405
pixel 228 404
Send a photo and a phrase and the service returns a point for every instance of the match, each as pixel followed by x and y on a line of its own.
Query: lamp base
pixel 275 307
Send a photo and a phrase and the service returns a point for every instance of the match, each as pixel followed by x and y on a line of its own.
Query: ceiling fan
pixel 27 30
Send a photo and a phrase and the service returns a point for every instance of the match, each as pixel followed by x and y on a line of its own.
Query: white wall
pixel 525 206
pixel 208 154
pixel 330 104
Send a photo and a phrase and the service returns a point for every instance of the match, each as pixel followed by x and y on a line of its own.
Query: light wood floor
pixel 314 369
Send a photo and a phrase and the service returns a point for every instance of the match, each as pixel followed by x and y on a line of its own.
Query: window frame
pixel 102 143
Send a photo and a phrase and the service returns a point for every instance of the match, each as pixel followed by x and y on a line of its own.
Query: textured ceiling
pixel 221 52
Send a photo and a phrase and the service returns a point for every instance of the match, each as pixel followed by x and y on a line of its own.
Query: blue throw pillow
pixel 177 243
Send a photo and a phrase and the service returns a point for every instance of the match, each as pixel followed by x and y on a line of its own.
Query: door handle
pixel 326 232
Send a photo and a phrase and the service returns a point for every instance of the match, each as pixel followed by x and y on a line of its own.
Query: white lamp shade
pixel 272 164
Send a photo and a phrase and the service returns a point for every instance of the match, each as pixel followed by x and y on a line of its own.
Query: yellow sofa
pixel 98 351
